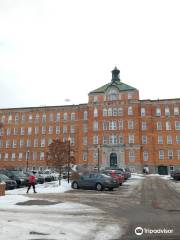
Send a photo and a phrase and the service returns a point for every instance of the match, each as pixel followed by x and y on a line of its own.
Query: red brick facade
pixel 115 127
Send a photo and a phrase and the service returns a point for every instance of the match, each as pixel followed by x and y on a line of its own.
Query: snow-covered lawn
pixel 66 220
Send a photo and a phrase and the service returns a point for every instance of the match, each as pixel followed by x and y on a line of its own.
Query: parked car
pixel 39 178
pixel 10 184
pixel 116 175
pixel 18 176
pixel 124 171
pixel 98 181
pixel 176 174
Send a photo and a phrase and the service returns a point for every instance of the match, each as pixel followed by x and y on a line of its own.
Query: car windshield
pixel 3 177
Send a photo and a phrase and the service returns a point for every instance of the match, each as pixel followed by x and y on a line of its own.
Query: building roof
pixel 116 82
pixel 120 85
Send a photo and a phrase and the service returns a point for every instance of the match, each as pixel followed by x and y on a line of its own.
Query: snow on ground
pixel 66 220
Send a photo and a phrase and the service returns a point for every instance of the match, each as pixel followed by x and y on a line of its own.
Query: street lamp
pixel 27 160
pixel 69 155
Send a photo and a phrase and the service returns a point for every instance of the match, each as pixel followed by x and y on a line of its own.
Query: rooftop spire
pixel 115 74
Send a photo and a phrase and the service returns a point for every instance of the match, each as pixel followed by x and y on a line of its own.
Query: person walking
pixel 32 182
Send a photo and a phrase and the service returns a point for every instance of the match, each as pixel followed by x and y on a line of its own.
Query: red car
pixel 115 174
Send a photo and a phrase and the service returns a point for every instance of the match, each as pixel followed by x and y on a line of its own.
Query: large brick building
pixel 114 127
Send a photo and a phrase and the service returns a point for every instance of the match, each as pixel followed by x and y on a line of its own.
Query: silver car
pixel 96 181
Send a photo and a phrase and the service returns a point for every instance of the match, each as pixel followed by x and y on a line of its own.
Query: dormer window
pixel 112 94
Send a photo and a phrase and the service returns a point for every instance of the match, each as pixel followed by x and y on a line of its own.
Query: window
pixel 37 118
pixel 23 118
pixel 1 132
pixel 132 155
pixel 6 156
pixel 49 141
pixel 104 112
pixel 143 112
pixel 84 156
pixel 159 125
pixel 65 116
pixel 50 129
pixel 120 111
pixel 44 130
pixel 73 116
pixel 85 115
pixel 1 143
pixel 144 126
pixel 130 124
pixel 41 155
pixel 0 156
pixel 85 128
pixel 145 156
pixel 20 156
pixel 3 118
pixel 112 94
pixel 115 112
pixel 72 140
pixel 121 139
pixel 21 143
pixel 13 156
pixel 15 131
pixel 105 125
pixel 95 112
pixel 36 130
pixel 121 125
pixel 58 117
pixel 176 111
pixel 44 118
pixel 22 131
pixel 160 139
pixel 158 112
pixel 167 111
pixel 130 110
pixel 95 126
pixel 144 139
pixel 7 143
pixel 170 154
pixel 8 131
pixel 29 130
pixel 9 119
pixel 51 117
pixel 95 139
pixel 34 155
pixel 30 118
pixel 72 129
pixel 110 112
pixel 113 139
pixel 168 125
pixel 14 143
pixel 178 154
pixel 64 129
pixel 129 95
pixel 177 125
pixel 43 141
pixel 57 129
pixel 16 119
pixel 35 142
pixel 105 139
pixel 28 144
pixel 112 125
pixel 95 98
pixel 169 139
pixel 178 139
pixel 85 140
pixel 131 139
pixel 95 155
pixel 161 154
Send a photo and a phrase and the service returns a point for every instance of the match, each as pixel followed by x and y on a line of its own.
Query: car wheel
pixel 120 184
pixel 99 187
pixel 111 189
pixel 75 185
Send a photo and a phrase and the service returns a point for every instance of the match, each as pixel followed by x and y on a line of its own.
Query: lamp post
pixel 27 160
pixel 69 155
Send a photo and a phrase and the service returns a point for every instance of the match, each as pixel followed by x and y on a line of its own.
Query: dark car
pixel 39 178
pixel 176 174
pixel 10 184
pixel 18 176
pixel 96 181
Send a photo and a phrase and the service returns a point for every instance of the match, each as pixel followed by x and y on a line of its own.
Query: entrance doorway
pixel 113 160
pixel 163 170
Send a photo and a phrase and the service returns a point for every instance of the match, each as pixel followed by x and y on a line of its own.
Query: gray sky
pixel 52 50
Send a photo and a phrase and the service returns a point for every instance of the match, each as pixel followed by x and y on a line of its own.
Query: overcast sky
pixel 52 50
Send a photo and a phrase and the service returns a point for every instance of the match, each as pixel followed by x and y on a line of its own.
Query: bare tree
pixel 58 156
